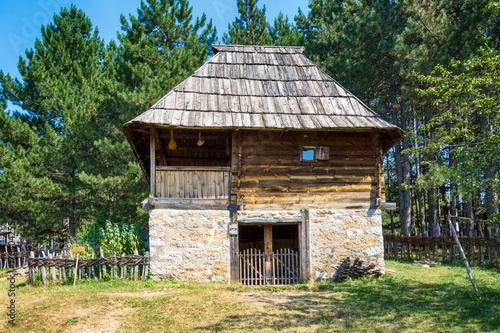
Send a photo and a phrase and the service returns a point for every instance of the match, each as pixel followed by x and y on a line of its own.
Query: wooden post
pixel 124 268
pixel 52 270
pixel 62 270
pixel 91 269
pixel 42 271
pixel 76 268
pixel 268 249
pixel 152 161
pixel 103 266
pixel 304 246
pixel 18 257
pixel 31 269
pixel 113 267
pixel 136 267
pixel 146 266
pixel 462 254
pixel 234 248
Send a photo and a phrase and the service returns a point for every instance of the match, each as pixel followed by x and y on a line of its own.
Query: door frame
pixel 304 242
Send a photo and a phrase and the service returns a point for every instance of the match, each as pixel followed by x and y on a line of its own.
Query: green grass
pixel 415 299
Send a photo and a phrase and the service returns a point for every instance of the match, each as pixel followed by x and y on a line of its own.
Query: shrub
pixel 121 237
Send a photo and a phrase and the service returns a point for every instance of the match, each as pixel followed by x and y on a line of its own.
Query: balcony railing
pixel 193 182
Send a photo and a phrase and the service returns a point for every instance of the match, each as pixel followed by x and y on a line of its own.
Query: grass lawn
pixel 415 299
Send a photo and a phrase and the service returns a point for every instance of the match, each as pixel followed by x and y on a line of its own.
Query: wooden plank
pixel 305 255
pixel 268 249
pixel 268 220
pixel 191 203
pixel 235 263
pixel 193 168
pixel 152 161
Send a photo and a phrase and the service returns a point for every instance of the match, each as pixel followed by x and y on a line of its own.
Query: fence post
pixel 18 255
pixel 6 261
pixel 52 269
pixel 146 264
pixel 124 267
pixel 103 266
pixel 91 267
pixel 72 268
pixel 31 270
pixel 42 270
pixel 113 267
pixel 136 266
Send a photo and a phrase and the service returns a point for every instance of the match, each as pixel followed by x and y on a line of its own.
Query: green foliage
pixel 285 33
pixel 28 193
pixel 354 42
pixel 250 28
pixel 65 156
pixel 161 47
pixel 466 126
pixel 120 237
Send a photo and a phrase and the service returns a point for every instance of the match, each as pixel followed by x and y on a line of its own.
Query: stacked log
pixel 345 270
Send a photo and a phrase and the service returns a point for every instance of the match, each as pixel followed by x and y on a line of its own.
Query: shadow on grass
pixel 383 305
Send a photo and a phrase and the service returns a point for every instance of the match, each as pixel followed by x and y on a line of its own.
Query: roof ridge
pixel 258 49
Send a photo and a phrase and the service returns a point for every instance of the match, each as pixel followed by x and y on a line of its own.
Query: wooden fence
pixel 53 268
pixel 13 259
pixel 479 251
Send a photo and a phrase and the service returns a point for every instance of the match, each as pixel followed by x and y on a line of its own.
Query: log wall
pixel 267 172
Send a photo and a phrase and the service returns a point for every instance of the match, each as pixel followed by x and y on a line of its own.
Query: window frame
pixel 303 148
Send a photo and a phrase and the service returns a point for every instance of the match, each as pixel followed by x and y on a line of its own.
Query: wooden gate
pixel 285 267
pixel 258 268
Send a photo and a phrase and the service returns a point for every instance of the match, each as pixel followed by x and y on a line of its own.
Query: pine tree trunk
pixel 469 213
pixel 418 171
pixel 490 175
pixel 433 214
pixel 402 163
pixel 70 204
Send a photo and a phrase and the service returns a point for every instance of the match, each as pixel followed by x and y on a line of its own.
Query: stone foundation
pixel 189 244
pixel 340 233
pixel 194 244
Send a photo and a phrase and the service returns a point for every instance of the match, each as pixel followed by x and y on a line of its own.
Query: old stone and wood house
pixel 263 169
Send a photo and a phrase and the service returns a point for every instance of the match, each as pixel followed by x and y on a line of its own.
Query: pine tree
pixel 29 195
pixel 72 104
pixel 250 28
pixel 161 47
pixel 284 33
pixel 466 122
pixel 354 41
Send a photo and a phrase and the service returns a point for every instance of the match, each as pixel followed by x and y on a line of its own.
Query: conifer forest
pixel 430 67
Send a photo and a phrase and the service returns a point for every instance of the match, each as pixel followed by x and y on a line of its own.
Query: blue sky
pixel 20 21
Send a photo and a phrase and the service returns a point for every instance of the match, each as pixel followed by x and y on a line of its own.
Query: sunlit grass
pixel 415 299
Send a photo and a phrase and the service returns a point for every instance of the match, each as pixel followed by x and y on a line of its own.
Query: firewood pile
pixel 355 270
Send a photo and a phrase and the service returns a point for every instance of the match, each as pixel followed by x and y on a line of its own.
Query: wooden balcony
pixel 192 187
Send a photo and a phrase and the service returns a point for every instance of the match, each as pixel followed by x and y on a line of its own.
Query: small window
pixel 314 154
pixel 308 154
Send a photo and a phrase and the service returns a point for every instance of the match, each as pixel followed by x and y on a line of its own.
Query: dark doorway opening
pixel 286 237
pixel 251 237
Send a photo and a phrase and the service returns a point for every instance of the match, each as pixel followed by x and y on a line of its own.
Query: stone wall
pixel 194 244
pixel 336 234
pixel 340 233
pixel 189 244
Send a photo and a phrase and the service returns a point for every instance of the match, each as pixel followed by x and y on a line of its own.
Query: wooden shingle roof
pixel 261 87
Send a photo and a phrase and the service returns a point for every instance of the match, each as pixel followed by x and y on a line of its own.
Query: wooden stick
pixel 452 227
pixel 76 268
